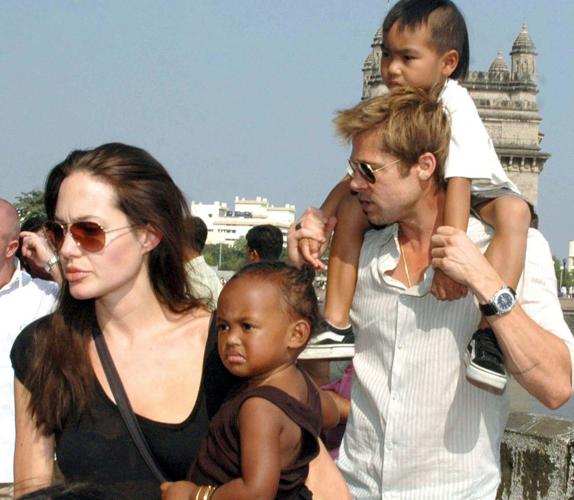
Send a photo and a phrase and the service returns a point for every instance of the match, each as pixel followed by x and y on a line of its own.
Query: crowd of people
pixel 128 371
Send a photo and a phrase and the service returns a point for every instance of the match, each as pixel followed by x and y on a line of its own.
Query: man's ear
pixel 426 165
pixel 449 62
pixel 252 255
pixel 300 332
pixel 151 238
pixel 11 248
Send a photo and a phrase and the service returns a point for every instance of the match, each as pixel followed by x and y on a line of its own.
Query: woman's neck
pixel 132 314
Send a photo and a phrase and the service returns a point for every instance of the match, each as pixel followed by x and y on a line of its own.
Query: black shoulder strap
pixel 124 406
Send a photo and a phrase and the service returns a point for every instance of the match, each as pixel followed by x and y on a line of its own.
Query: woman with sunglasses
pixel 116 222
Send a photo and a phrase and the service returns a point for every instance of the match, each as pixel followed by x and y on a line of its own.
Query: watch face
pixel 504 302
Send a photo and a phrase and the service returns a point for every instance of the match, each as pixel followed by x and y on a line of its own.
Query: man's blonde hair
pixel 410 121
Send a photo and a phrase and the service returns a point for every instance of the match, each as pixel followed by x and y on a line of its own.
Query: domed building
pixel 506 101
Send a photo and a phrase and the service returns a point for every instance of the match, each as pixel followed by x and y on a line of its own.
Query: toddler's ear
pixel 300 331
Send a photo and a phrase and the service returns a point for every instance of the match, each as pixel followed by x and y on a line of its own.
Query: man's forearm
pixel 539 360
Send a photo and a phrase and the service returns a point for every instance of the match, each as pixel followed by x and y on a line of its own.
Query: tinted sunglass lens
pixel 89 235
pixel 367 172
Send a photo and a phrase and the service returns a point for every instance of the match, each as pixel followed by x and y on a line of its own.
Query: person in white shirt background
pixel 22 300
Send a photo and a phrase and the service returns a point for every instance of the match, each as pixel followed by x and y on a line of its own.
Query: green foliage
pixel 227 258
pixel 30 204
pixel 563 277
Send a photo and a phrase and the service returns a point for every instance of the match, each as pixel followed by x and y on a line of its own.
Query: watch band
pixel 488 309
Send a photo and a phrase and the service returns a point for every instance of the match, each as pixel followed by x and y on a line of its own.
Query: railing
pixel 537 458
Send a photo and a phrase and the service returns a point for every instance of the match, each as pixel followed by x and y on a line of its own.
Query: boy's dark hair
pixel 195 233
pixel 33 223
pixel 296 286
pixel 266 240
pixel 446 23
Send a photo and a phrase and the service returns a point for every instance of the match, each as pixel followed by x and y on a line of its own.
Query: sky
pixel 236 98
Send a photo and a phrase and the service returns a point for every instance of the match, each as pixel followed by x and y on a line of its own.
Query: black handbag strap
pixel 124 405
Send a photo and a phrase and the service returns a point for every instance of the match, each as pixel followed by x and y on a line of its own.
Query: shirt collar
pixel 17 280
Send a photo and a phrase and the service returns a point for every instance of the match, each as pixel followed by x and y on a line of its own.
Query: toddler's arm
pixel 260 429
pixel 179 490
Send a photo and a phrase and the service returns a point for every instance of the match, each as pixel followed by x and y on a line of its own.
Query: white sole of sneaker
pixel 335 337
pixel 331 351
pixel 482 376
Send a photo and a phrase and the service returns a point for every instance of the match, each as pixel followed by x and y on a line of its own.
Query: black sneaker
pixel 483 358
pixel 330 343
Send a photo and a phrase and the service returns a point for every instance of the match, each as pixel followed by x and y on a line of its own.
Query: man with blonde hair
pixel 417 429
pixel 22 300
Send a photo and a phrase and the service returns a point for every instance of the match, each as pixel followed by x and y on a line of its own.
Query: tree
pixel 225 257
pixel 563 276
pixel 30 204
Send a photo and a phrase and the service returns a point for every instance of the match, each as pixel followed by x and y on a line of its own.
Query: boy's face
pixel 409 59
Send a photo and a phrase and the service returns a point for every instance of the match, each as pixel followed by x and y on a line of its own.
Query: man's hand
pixel 445 288
pixel 460 259
pixel 36 248
pixel 308 238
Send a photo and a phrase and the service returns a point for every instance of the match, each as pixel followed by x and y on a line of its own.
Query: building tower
pixel 523 55
pixel 506 103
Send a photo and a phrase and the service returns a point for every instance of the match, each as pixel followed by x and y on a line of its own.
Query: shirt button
pixel 399 346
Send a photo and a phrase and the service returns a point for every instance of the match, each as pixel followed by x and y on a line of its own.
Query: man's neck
pixel 7 270
pixel 417 228
pixel 191 254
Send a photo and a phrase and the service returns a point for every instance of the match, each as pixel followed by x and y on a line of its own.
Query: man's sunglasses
pixel 88 235
pixel 367 170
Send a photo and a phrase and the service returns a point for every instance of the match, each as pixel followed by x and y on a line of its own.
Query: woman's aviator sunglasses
pixel 367 170
pixel 88 235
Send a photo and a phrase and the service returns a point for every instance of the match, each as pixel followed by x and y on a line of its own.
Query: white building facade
pixel 226 225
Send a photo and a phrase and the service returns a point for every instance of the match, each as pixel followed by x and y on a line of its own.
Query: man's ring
pixel 297 226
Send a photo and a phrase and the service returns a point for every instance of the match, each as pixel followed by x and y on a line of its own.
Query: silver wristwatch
pixel 501 302
pixel 52 261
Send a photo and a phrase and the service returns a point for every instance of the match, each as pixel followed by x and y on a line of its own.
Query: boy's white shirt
pixel 471 152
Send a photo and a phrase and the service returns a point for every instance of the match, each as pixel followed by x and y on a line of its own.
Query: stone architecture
pixel 506 101
pixel 227 226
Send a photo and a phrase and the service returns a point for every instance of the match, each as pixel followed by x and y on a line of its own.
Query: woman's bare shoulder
pixel 195 322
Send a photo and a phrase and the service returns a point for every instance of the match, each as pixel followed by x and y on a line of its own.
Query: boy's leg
pixel 510 216
pixel 343 262
pixel 335 339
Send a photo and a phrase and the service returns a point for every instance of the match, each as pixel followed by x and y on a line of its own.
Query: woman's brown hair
pixel 60 379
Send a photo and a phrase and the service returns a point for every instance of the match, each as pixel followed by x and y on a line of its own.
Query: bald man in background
pixel 22 300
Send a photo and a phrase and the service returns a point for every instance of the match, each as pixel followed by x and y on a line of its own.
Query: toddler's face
pixel 253 328
pixel 408 59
